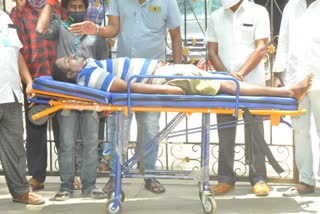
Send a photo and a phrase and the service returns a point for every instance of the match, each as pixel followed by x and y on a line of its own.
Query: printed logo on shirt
pixel 156 9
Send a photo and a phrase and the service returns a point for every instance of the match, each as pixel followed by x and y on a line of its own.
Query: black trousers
pixel 226 160
pixel 36 145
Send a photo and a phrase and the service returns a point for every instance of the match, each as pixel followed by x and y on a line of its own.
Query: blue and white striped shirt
pixel 99 74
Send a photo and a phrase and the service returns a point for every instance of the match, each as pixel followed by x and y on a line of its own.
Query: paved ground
pixel 181 197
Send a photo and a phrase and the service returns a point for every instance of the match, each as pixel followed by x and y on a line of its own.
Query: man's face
pixel 71 63
pixel 76 6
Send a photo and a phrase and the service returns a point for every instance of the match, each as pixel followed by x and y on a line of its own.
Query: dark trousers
pixel 12 152
pixel 36 145
pixel 227 137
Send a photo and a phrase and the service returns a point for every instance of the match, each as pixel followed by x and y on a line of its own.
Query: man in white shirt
pixel 237 37
pixel 298 53
pixel 12 152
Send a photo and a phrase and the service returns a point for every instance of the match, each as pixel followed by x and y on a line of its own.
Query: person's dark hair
pixel 60 74
pixel 64 3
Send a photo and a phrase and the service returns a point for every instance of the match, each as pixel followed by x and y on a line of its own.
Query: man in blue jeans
pixel 141 29
pixel 70 120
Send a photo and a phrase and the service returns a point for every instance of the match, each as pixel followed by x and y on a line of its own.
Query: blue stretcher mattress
pixel 45 83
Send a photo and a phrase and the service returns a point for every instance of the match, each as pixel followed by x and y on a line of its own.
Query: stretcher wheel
pixel 112 192
pixel 210 206
pixel 109 209
pixel 36 109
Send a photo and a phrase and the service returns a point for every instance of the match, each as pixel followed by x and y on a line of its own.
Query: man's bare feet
pixel 300 89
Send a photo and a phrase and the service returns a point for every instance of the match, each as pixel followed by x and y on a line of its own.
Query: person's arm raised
pixel 45 17
pixel 88 27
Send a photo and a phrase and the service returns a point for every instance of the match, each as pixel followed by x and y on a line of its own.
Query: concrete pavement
pixel 181 197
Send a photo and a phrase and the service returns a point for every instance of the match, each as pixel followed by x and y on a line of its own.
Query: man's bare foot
pixel 300 89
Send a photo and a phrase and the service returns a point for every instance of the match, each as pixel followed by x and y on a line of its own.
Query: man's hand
pixel 236 75
pixel 171 89
pixel 20 4
pixel 86 27
pixel 29 90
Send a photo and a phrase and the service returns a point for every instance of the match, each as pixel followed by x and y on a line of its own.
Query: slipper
pixel 154 186
pixel 97 194
pixel 291 192
pixel 62 196
pixel 300 189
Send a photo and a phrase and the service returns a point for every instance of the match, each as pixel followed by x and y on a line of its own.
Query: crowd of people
pixel 68 40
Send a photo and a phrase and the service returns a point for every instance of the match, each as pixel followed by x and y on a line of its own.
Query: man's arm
pixel 118 85
pixel 214 58
pixel 24 74
pixel 88 27
pixel 216 61
pixel 20 4
pixel 45 17
pixel 255 58
pixel 175 35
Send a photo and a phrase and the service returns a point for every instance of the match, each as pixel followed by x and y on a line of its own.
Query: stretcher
pixel 55 96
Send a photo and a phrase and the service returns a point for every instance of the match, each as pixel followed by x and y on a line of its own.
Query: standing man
pixel 237 37
pixel 141 29
pixel 39 55
pixel 72 121
pixel 298 53
pixel 12 153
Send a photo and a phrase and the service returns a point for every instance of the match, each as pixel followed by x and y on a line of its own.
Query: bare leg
pixel 297 91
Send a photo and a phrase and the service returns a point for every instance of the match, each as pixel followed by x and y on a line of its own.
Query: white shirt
pixel 298 50
pixel 9 49
pixel 236 33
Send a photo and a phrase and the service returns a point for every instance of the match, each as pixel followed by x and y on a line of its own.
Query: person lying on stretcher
pixel 112 75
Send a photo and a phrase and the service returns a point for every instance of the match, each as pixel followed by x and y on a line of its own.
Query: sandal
pixel 300 189
pixel 154 185
pixel 97 194
pixel 62 196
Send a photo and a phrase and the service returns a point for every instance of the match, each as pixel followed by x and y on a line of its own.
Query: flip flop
pixel 291 192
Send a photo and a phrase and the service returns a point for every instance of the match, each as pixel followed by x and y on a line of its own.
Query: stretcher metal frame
pixel 58 101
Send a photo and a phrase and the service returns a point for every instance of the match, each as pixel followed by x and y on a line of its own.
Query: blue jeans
pixel 302 135
pixel 148 127
pixel 69 121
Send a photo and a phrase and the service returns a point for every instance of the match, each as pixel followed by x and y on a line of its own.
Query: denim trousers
pixel 226 160
pixel 302 135
pixel 69 123
pixel 147 128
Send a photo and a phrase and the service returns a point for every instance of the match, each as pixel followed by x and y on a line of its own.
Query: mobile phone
pixel 69 21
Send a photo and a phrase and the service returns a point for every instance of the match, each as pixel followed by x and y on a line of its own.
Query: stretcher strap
pixel 259 142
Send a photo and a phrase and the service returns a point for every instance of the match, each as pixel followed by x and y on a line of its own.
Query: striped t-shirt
pixel 99 74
